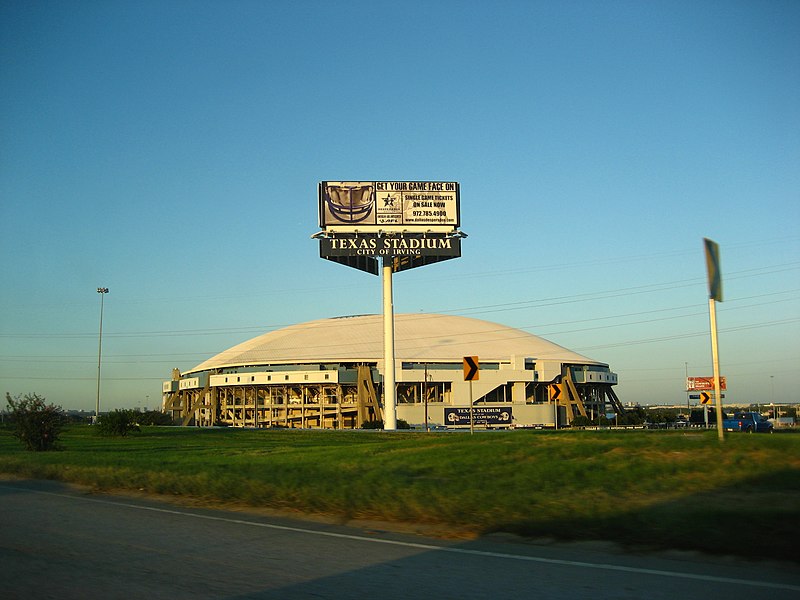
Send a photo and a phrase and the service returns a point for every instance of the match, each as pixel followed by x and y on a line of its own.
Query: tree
pixel 36 424
pixel 118 422
pixel 580 421
pixel 155 417
pixel 632 416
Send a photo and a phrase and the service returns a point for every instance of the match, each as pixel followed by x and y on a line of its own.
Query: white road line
pixel 429 547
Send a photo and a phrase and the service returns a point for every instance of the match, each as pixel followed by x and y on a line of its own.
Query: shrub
pixel 634 416
pixel 155 417
pixel 401 424
pixel 36 424
pixel 581 421
pixel 119 422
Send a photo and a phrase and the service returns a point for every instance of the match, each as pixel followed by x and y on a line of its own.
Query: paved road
pixel 58 542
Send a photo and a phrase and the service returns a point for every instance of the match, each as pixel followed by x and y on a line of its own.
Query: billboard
pixel 389 205
pixel 704 384
pixel 488 415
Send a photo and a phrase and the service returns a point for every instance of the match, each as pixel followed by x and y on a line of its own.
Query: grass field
pixel 681 490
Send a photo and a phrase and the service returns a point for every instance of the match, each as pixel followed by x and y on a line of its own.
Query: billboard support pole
pixel 714 294
pixel 389 392
pixel 712 311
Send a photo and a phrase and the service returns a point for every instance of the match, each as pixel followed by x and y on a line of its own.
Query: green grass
pixel 655 489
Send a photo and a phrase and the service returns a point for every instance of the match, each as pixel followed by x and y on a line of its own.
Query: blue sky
pixel 170 151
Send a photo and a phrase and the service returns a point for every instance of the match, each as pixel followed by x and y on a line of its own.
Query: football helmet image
pixel 350 202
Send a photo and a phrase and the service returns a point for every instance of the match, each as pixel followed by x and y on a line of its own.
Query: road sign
pixel 706 397
pixel 555 391
pixel 471 368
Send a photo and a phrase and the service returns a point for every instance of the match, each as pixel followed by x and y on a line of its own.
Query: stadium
pixel 328 374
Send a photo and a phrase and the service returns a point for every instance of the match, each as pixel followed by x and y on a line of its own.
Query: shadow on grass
pixel 757 518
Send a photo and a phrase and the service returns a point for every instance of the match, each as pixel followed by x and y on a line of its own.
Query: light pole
pixel 686 385
pixel 102 291
pixel 772 397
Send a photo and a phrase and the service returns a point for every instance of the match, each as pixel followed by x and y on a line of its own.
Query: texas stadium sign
pixel 406 223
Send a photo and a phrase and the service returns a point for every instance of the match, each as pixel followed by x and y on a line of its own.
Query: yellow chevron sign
pixel 472 371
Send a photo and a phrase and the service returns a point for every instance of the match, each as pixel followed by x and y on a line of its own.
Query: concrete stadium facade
pixel 328 374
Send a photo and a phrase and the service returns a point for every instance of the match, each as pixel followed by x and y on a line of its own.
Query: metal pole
pixel 772 396
pixel 425 392
pixel 389 392
pixel 102 291
pixel 471 416
pixel 555 414
pixel 712 311
pixel 688 401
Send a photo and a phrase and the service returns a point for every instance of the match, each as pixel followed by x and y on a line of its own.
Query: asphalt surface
pixel 58 541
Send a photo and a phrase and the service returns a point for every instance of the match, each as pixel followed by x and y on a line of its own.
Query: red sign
pixel 702 384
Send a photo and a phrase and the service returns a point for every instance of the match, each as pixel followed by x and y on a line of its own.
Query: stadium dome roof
pixel 418 338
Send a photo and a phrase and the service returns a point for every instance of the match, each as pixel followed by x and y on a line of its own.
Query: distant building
pixel 328 373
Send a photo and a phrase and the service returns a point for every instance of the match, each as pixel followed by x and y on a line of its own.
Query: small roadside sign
pixel 487 415
pixel 472 370
pixel 706 397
